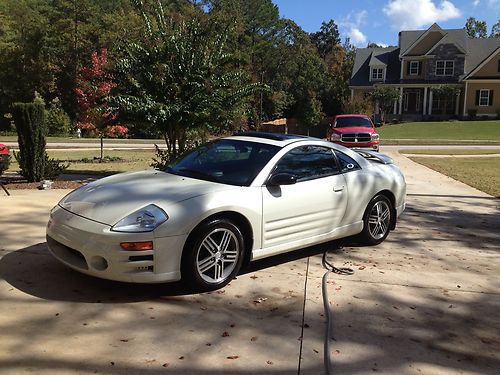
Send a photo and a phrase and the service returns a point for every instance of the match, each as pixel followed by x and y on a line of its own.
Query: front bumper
pixel 92 248
pixel 358 145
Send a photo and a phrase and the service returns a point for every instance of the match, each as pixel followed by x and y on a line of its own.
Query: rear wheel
pixel 213 255
pixel 377 220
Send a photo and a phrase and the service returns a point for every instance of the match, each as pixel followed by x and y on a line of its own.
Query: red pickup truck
pixel 354 131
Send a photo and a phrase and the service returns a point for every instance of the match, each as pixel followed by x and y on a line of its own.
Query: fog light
pixel 137 246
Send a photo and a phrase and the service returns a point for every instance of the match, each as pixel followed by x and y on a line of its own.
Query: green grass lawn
pixel 441 132
pixel 481 173
pixel 131 160
pixel 450 151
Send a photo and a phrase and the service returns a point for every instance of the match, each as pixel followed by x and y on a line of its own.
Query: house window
pixel 377 74
pixel 484 98
pixel 445 67
pixel 414 68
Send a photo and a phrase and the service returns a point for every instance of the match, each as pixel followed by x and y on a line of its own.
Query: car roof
pixel 275 139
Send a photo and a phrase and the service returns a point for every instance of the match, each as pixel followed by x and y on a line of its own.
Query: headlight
pixel 375 137
pixel 144 220
pixel 336 137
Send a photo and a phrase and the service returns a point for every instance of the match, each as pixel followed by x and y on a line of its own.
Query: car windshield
pixel 225 161
pixel 344 122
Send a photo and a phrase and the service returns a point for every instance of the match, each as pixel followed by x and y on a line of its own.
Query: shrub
pixel 4 163
pixel 53 167
pixel 472 113
pixel 57 120
pixel 358 105
pixel 161 159
pixel 29 119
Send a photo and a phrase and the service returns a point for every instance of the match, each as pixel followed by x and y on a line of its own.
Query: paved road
pixel 126 145
pixel 426 301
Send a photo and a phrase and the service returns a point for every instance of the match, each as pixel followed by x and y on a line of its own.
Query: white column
pixel 352 94
pixel 377 107
pixel 465 99
pixel 395 111
pixel 457 104
pixel 400 101
pixel 424 104
pixel 430 102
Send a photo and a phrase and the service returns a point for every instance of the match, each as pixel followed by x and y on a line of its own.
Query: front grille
pixel 356 137
pixel 141 263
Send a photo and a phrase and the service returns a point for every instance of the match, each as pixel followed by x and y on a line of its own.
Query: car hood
pixel 110 199
pixel 354 129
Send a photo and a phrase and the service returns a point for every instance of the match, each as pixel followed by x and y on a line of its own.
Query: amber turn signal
pixel 137 246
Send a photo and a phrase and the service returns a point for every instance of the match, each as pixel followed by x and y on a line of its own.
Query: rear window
pixel 344 122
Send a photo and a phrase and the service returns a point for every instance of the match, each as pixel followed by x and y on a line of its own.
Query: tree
pixel 373 45
pixel 58 121
pixel 385 97
pixel 446 94
pixel 310 111
pixel 94 84
pixel 326 38
pixel 475 28
pixel 181 77
pixel 30 125
pixel 495 30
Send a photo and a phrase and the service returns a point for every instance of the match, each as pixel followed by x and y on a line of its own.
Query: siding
pixel 471 98
pixel 490 69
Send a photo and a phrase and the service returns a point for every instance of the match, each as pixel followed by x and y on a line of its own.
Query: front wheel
pixel 377 220
pixel 213 255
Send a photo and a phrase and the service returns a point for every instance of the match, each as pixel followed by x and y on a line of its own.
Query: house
pixel 425 60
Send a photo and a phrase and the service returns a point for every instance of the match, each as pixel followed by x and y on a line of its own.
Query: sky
pixel 379 21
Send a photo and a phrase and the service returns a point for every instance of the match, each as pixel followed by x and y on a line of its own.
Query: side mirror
pixel 279 179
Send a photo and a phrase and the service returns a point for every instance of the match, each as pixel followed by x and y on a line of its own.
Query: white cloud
pixel 352 24
pixel 357 37
pixel 414 14
pixel 383 45
pixel 476 2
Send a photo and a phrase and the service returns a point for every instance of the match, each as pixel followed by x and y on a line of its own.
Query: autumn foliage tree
pixel 94 84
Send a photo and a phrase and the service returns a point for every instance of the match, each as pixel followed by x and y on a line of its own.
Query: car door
pixel 302 213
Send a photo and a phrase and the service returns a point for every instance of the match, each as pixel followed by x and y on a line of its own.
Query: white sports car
pixel 223 205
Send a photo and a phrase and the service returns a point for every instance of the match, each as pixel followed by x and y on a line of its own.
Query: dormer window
pixel 414 68
pixel 377 74
pixel 445 67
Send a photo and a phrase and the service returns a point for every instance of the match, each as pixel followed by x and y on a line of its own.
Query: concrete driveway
pixel 424 302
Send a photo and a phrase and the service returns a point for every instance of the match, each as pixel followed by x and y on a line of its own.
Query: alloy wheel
pixel 379 219
pixel 217 255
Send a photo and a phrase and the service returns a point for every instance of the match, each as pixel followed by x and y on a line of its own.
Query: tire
pixel 213 255
pixel 377 220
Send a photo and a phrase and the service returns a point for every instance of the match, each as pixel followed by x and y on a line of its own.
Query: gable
pixel 490 68
pixel 425 44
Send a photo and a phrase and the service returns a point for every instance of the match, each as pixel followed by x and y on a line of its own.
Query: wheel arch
pixel 390 195
pixel 240 221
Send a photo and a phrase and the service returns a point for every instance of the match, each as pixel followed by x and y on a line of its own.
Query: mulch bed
pixel 16 182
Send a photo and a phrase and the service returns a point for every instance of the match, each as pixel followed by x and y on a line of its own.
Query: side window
pixel 308 163
pixel 347 164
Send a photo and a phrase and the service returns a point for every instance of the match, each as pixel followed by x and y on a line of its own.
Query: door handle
pixel 338 188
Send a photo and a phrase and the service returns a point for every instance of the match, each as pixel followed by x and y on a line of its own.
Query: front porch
pixel 416 103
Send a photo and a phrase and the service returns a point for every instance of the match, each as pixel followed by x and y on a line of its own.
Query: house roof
pixel 479 50
pixel 374 56
pixel 476 52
